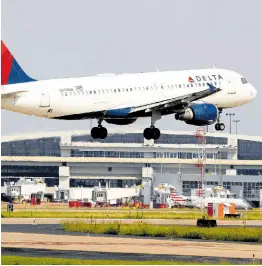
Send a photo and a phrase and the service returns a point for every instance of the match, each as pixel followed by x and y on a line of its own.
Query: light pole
pixel 230 115
pixel 236 121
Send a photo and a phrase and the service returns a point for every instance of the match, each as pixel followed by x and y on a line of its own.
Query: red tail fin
pixel 11 72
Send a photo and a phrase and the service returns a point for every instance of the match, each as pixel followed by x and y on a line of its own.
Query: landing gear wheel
pixel 103 132
pixel 99 132
pixel 151 133
pixel 156 133
pixel 95 132
pixel 148 133
pixel 220 126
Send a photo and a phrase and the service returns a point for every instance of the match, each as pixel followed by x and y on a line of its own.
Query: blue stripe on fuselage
pixel 121 112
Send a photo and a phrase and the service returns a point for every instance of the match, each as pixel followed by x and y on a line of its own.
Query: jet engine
pixel 199 114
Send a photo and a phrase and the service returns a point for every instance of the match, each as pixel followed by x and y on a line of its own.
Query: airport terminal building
pixel 125 158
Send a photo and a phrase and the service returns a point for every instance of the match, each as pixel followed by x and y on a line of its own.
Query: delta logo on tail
pixel 207 78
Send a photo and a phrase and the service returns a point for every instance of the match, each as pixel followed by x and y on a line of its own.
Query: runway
pixel 50 240
pixel 114 255
pixel 227 223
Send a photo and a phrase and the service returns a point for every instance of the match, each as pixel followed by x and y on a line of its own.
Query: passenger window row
pixel 105 91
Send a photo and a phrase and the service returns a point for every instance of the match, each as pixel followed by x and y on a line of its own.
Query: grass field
pixel 17 260
pixel 104 214
pixel 118 214
pixel 189 232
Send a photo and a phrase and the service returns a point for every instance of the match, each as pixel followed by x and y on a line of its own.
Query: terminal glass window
pixel 220 155
pixel 138 138
pixel 252 190
pixel 113 138
pixel 187 186
pixel 52 181
pixel 111 154
pixel 211 183
pixel 249 150
pixel 165 155
pixel 185 155
pixel 7 180
pixel 29 171
pixel 32 147
pixel 227 185
pixel 113 183
pixel 188 139
pixel 249 171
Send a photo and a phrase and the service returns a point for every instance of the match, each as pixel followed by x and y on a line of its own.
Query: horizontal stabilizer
pixel 11 94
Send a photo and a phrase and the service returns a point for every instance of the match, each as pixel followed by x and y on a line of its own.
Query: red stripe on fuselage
pixel 6 64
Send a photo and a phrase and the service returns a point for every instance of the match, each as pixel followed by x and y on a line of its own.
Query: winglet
pixel 11 71
pixel 211 87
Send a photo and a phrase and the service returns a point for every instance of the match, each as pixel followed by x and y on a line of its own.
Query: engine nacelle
pixel 199 114
pixel 121 122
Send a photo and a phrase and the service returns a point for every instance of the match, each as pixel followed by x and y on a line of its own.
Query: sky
pixel 73 38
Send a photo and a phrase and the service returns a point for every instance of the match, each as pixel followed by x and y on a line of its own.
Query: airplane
pixel 196 96
pixel 196 202
pixel 217 194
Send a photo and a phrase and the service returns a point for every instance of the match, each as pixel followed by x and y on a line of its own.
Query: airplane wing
pixel 177 101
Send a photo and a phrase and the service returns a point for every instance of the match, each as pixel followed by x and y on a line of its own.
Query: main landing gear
pixel 219 126
pixel 99 132
pixel 153 132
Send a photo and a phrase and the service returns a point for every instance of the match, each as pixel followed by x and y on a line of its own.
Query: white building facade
pixel 73 159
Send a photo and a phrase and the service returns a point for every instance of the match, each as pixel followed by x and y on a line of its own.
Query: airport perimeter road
pixel 130 245
pixel 255 223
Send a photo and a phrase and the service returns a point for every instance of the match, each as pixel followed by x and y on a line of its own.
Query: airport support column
pixel 65 146
pixel 63 192
pixel 147 176
pixel 232 154
pixel 232 148
pixel 64 176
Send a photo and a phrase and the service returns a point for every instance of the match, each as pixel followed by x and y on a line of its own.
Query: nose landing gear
pixel 99 132
pixel 219 126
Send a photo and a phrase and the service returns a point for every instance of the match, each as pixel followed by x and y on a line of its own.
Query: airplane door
pixel 45 99
pixel 231 89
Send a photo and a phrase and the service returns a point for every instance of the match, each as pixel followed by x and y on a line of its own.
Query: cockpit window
pixel 244 81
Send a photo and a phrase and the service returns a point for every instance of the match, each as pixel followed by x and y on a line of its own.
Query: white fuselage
pixel 63 98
